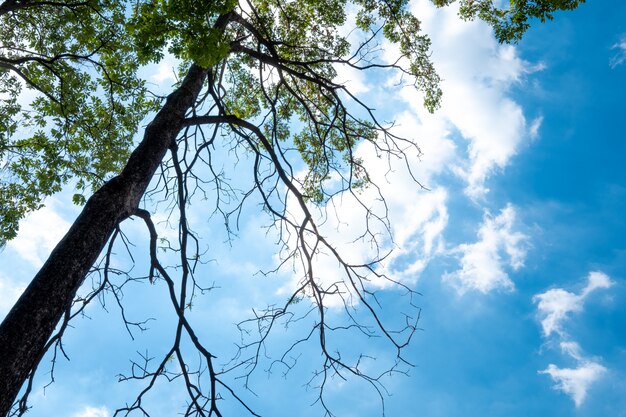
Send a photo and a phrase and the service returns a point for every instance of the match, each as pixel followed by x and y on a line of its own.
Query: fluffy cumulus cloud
pixel 555 306
pixel 39 233
pixel 619 55
pixel 477 74
pixel 484 263
pixel 575 382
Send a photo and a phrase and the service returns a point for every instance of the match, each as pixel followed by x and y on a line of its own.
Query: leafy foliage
pixel 76 61
pixel 510 23
pixel 185 27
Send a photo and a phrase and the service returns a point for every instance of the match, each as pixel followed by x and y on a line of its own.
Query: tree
pixel 257 76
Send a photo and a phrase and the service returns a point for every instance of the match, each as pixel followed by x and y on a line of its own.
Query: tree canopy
pixel 77 62
pixel 257 77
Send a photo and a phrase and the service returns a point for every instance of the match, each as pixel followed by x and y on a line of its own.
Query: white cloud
pixel 417 226
pixel 39 233
pixel 596 280
pixel 165 70
pixel 10 293
pixel 416 220
pixel 572 349
pixel 162 74
pixel 89 411
pixel 535 125
pixel 483 263
pixel 477 73
pixel 352 78
pixel 620 55
pixel 575 382
pixel 556 304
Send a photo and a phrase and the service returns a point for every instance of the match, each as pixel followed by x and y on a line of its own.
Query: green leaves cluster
pixel 512 22
pixel 184 27
pixel 77 64
pixel 401 27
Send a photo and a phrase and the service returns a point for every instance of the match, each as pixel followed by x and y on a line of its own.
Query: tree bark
pixel 30 324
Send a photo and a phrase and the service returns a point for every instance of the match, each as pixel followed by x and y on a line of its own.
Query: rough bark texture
pixel 31 322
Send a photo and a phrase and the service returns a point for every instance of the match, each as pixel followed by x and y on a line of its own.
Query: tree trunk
pixel 31 322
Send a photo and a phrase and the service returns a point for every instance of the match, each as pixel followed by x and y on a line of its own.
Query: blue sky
pixel 518 248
